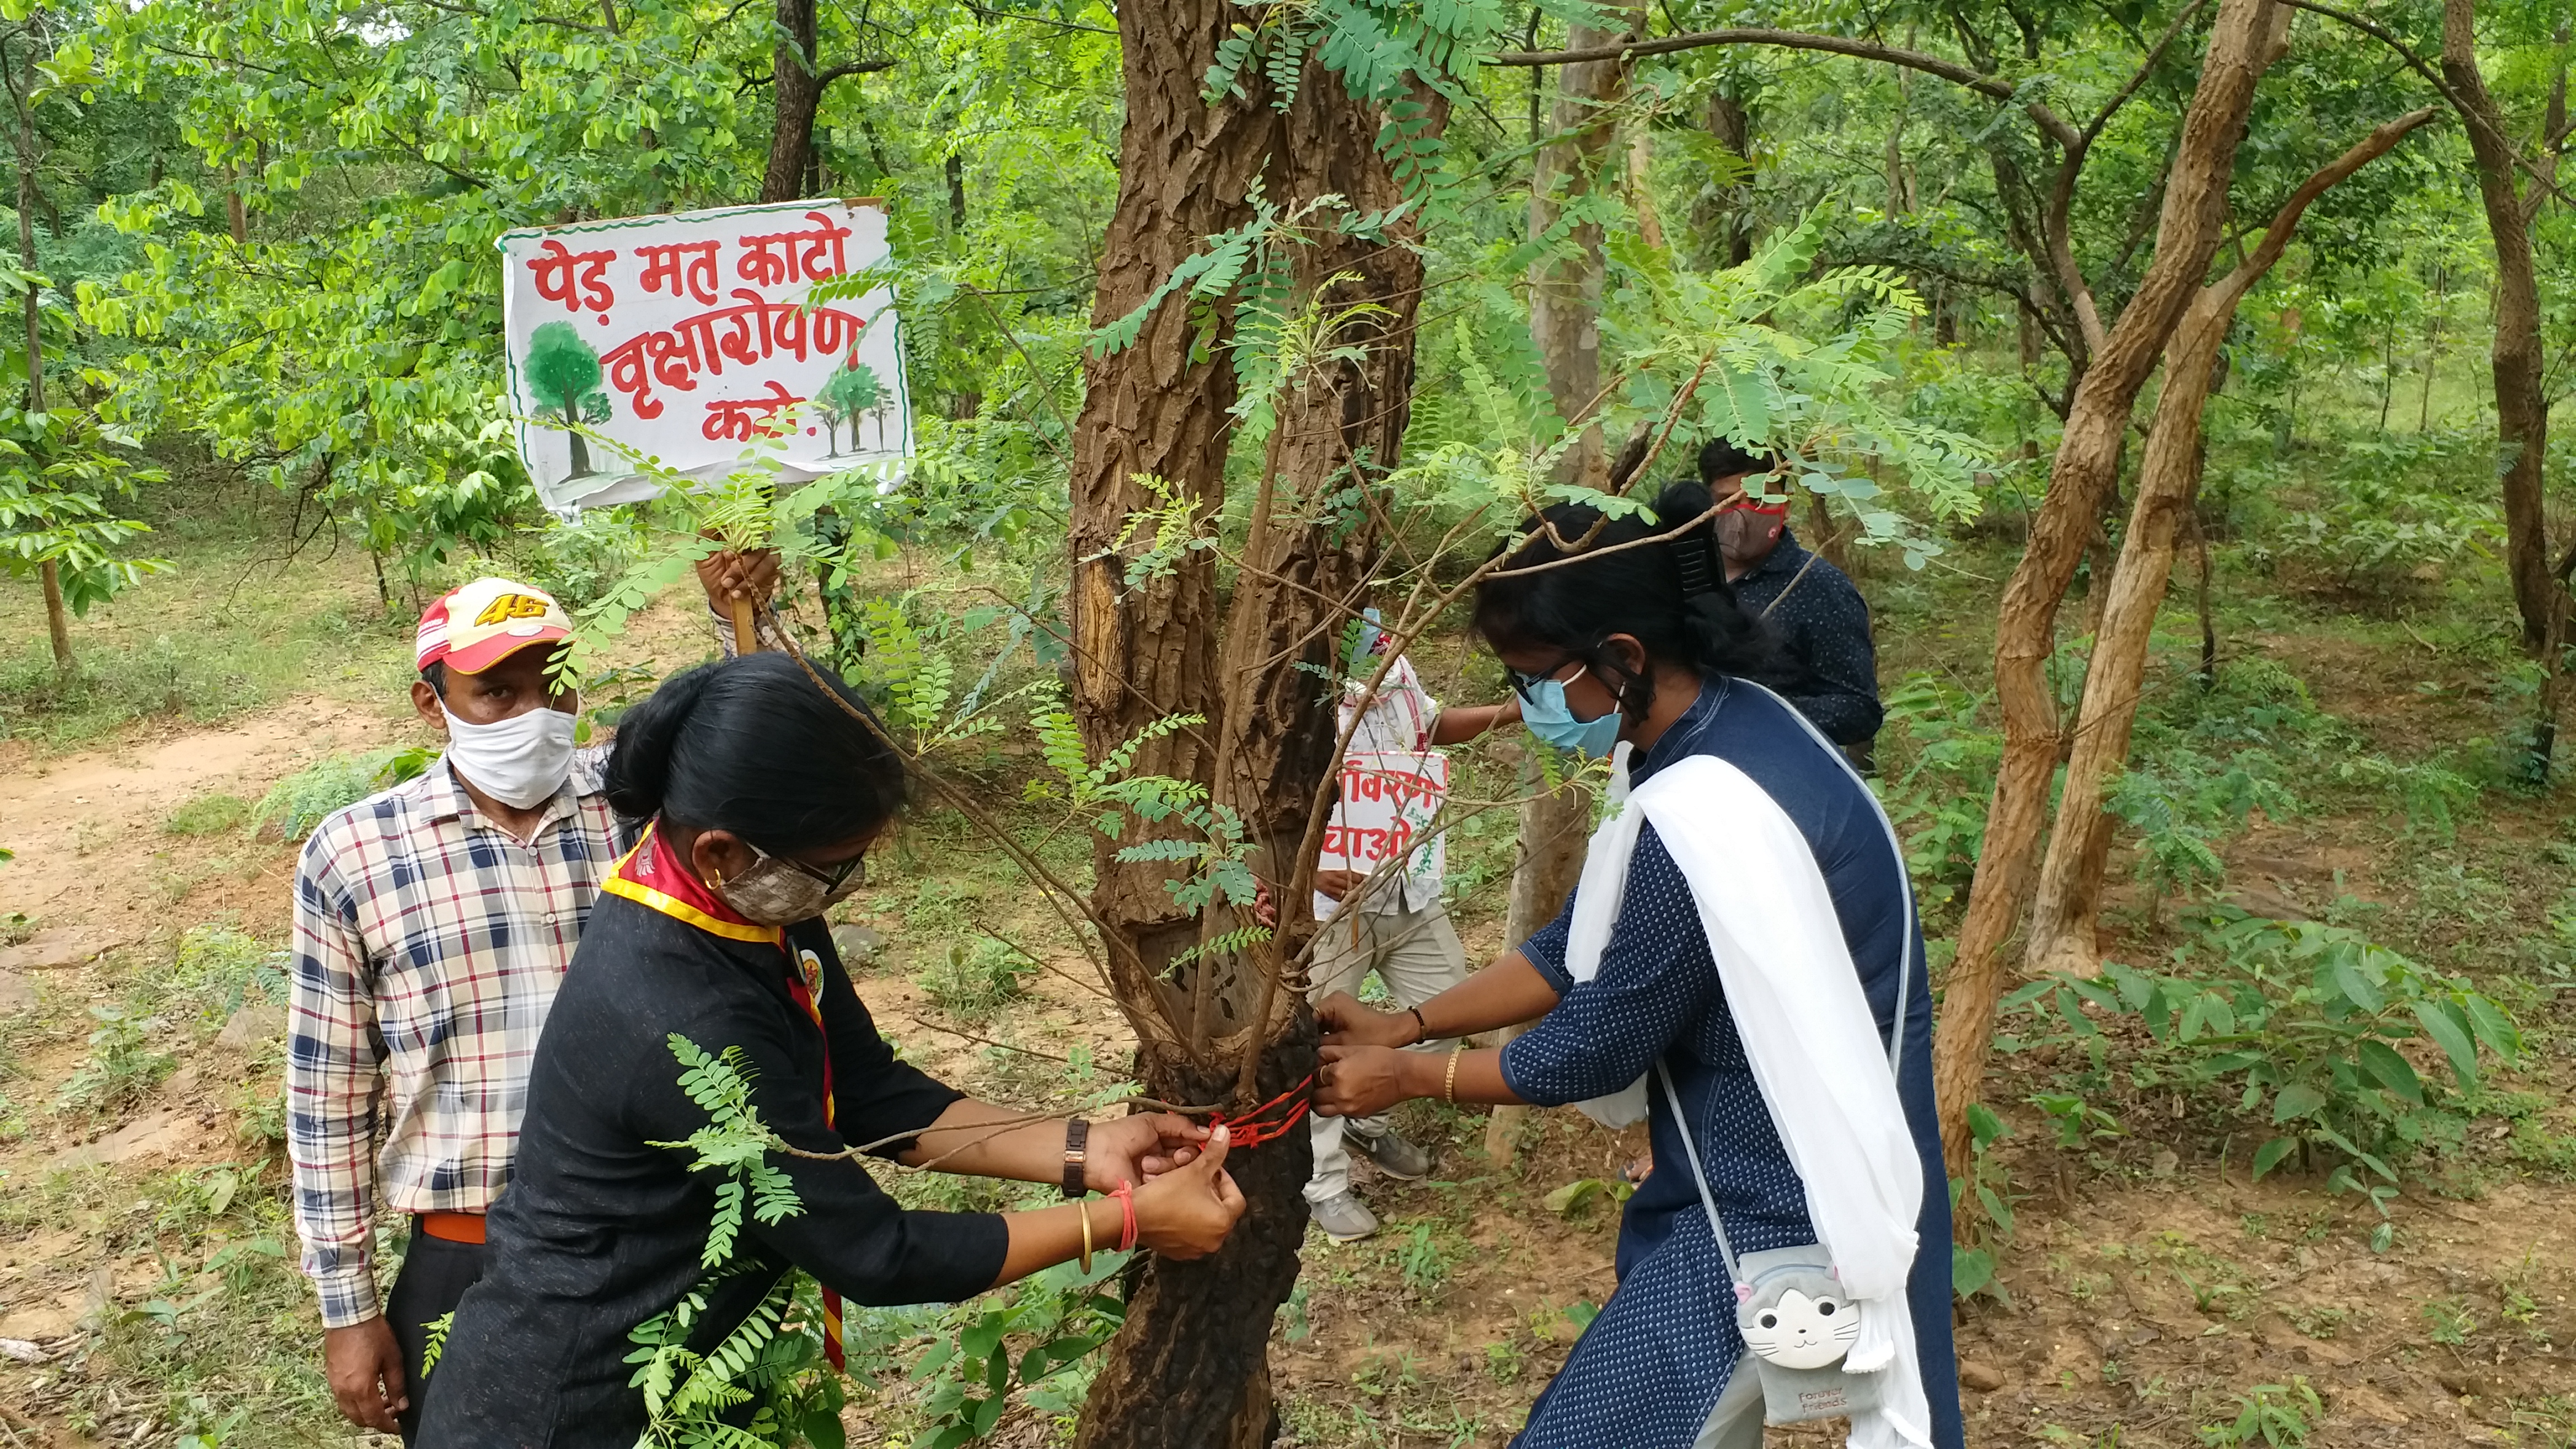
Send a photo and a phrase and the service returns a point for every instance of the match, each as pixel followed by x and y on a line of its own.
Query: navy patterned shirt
pixel 1651 1366
pixel 1821 622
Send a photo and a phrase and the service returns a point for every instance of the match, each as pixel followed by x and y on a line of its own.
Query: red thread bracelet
pixel 1126 1195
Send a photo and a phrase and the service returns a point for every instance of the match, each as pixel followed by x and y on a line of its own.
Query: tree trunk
pixel 2079 851
pixel 1732 124
pixel 58 624
pixel 1641 189
pixel 2187 236
pixel 2522 411
pixel 49 574
pixel 1565 291
pixel 797 87
pixel 1188 1369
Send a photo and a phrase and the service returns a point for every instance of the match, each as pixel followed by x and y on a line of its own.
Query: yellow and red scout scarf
pixel 653 876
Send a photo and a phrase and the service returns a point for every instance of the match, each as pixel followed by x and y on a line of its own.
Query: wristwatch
pixel 1077 1155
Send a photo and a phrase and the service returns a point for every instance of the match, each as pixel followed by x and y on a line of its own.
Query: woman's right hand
pixel 1187 1212
pixel 1347 1023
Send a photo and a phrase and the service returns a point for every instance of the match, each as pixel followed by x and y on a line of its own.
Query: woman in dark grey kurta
pixel 1649 1370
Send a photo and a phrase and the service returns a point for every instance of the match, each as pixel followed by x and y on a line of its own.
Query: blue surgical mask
pixel 1544 710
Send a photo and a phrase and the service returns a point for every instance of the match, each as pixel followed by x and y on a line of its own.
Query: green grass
pixel 233 627
pixel 303 800
pixel 208 815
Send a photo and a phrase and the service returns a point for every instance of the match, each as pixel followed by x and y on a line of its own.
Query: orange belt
pixel 451 1227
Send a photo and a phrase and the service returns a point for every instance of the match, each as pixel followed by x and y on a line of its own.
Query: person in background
pixel 1821 621
pixel 765 788
pixel 432 923
pixel 1398 928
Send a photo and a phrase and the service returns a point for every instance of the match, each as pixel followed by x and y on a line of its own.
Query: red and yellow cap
pixel 472 628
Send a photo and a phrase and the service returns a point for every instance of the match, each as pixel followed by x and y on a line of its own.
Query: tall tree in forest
pixel 2521 398
pixel 798 79
pixel 54 489
pixel 2061 936
pixel 2242 44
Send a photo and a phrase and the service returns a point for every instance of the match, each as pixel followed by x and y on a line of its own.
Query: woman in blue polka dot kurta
pixel 1644 633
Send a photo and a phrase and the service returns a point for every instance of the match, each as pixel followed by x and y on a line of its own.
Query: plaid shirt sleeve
pixel 333 1086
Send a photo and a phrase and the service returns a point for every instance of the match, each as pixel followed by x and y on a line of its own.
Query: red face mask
pixel 1748 528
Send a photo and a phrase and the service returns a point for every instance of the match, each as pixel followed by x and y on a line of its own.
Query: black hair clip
pixel 1691 557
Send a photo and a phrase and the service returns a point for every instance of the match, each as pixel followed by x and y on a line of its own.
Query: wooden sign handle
pixel 746 635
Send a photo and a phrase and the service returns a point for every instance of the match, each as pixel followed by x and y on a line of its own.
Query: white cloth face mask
pixel 520 761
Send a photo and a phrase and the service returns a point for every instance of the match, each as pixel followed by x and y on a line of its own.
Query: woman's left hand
pixel 1361 1081
pixel 1133 1149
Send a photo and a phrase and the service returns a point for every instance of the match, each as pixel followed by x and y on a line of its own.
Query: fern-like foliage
pixel 688 1394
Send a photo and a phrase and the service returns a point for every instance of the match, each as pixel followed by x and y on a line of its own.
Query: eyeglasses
pixel 1522 683
pixel 853 871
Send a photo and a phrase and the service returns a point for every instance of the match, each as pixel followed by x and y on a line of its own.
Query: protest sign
pixel 685 337
pixel 1388 802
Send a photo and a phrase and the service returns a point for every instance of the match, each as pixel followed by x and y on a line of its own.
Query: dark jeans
pixel 435 1274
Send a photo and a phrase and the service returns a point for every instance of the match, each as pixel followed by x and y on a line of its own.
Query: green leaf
pixel 2296 1100
pixel 1574 1194
pixel 1970 1270
pixel 1984 1127
pixel 2269 1155
pixel 2390 1070
pixel 2492 1026
pixel 2451 1034
pixel 2356 986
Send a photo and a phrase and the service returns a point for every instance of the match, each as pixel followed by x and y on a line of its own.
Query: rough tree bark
pixel 1189 1367
pixel 1565 290
pixel 1732 124
pixel 2080 478
pixel 798 79
pixel 796 86
pixel 1565 317
pixel 1189 1364
pixel 2079 849
pixel 2522 409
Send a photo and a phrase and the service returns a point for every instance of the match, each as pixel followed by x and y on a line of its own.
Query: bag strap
pixel 1699 1175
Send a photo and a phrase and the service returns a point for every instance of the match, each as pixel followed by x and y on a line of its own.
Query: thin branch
pixel 2146 68
pixel 2276 237
pixel 987 1041
pixel 476 12
pixel 2416 64
pixel 855 67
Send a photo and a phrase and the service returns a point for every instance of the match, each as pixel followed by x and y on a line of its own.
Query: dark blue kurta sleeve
pixel 1546 949
pixel 1656 977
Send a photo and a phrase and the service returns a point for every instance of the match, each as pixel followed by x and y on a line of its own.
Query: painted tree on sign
pixel 852 391
pixel 563 374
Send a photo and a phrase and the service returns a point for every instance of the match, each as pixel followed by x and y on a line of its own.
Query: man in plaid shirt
pixel 432 924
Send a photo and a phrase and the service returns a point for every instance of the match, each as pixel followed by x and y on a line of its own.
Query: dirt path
pixel 95 867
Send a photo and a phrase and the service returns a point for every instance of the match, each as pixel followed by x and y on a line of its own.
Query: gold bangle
pixel 1449 1079
pixel 1086 1237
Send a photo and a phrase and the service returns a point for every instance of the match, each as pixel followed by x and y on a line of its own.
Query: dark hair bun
pixel 753 745
pixel 1672 597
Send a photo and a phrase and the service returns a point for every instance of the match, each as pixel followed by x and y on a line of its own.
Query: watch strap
pixel 1077 1155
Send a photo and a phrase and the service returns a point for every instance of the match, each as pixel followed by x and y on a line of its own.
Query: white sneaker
pixel 1343 1217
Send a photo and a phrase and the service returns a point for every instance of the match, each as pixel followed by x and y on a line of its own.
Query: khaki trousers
pixel 1418 955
